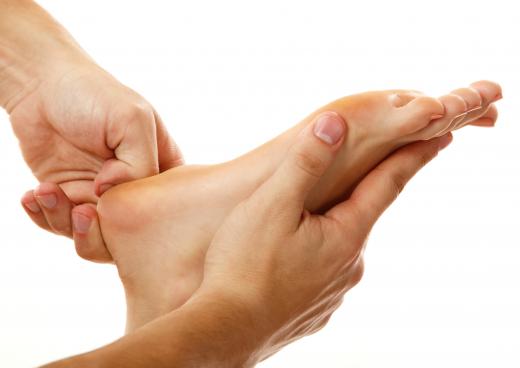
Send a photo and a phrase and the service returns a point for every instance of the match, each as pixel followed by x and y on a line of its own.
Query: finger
pixel 306 162
pixel 87 235
pixel 133 138
pixel 169 153
pixel 383 184
pixel 55 207
pixel 80 191
pixel 32 208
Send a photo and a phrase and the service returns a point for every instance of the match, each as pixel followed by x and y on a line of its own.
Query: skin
pixel 273 273
pixel 157 235
pixel 78 126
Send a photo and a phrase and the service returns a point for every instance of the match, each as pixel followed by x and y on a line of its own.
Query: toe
pixel 455 111
pixel 473 101
pixel 485 115
pixel 471 96
pixel 418 113
pixel 489 91
pixel 487 119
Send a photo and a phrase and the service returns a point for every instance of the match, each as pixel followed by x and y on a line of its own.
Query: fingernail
pixel 48 200
pixel 80 223
pixel 32 206
pixel 329 128
pixel 436 116
pixel 445 141
pixel 104 187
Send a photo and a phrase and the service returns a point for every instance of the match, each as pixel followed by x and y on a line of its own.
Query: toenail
pixel 329 128
pixel 32 206
pixel 48 200
pixel 80 223
pixel 497 97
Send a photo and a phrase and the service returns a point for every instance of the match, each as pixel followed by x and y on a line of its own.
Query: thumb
pixel 133 139
pixel 307 160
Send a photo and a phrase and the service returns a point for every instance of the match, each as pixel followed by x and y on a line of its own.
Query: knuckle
pixel 358 272
pixel 138 112
pixel 321 324
pixel 309 163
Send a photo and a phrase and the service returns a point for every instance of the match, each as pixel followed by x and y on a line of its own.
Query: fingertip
pixel 87 236
pixel 33 210
pixel 445 141
pixel 82 217
pixel 29 202
pixel 330 128
pixel 45 188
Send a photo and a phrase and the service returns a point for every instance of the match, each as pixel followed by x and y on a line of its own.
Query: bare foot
pixel 157 229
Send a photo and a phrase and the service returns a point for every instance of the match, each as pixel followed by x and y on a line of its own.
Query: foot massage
pixel 280 241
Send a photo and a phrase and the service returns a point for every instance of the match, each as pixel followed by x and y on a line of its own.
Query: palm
pixel 65 129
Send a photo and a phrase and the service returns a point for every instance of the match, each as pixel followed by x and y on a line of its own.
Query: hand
pixel 274 272
pixel 289 268
pixel 86 132
pixel 78 126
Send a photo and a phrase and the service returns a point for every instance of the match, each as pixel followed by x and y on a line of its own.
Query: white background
pixel 443 265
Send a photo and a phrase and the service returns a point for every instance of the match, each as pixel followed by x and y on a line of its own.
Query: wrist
pixel 210 330
pixel 33 48
pixel 240 334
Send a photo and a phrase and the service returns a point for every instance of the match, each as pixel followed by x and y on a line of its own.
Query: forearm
pixel 200 334
pixel 32 45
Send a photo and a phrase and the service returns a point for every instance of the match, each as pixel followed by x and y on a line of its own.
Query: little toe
pixel 470 95
pixel 418 113
pixel 455 111
pixel 489 91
